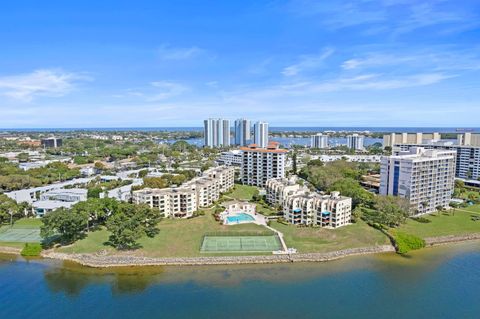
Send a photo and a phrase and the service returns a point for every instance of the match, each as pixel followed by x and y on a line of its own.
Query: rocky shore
pixel 105 261
pixel 9 250
pixel 442 240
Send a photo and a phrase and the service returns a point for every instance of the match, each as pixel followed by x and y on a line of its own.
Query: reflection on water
pixel 71 278
pixel 439 282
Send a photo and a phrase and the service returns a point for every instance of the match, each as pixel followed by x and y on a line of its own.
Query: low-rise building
pixel 230 158
pixel 186 199
pixel 302 206
pixel 65 195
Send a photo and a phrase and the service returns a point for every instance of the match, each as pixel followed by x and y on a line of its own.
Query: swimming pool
pixel 240 218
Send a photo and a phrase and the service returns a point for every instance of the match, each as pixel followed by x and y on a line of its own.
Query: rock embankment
pixel 105 261
pixel 441 240
pixel 10 250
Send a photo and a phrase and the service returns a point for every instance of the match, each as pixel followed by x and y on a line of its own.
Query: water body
pixel 288 141
pixel 432 283
pixel 272 129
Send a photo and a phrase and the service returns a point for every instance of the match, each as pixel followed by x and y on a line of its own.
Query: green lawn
pixel 309 239
pixel 444 224
pixel 28 223
pixel 242 192
pixel 245 193
pixel 177 237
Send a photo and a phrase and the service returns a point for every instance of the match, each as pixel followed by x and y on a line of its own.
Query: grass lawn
pixel 245 193
pixel 10 244
pixel 177 237
pixel 242 192
pixel 308 239
pixel 444 224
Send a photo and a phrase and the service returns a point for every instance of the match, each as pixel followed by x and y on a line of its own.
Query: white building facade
pixel 260 134
pixel 319 141
pixel 242 130
pixel 216 132
pixel 301 206
pixel 260 164
pixel 184 201
pixel 355 142
pixel 424 177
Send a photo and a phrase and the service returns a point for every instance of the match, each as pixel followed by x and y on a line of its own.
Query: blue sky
pixel 292 63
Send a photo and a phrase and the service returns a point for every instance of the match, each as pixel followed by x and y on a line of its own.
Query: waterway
pixel 441 282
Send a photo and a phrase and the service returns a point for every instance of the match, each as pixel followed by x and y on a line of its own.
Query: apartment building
pixel 278 189
pixel 467 164
pixel 216 132
pixel 302 206
pixel 242 132
pixel 183 201
pixel 230 158
pixel 319 141
pixel 260 134
pixel 65 195
pixel 389 140
pixel 423 176
pixel 261 164
pixel 355 142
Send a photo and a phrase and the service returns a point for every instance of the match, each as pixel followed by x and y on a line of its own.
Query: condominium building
pixel 260 134
pixel 355 142
pixel 301 206
pixel 319 141
pixel 183 201
pixel 424 177
pixel 230 158
pixel 216 132
pixel 260 164
pixel 463 139
pixel 467 164
pixel 467 147
pixel 242 132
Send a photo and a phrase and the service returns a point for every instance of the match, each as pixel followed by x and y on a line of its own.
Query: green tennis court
pixel 225 244
pixel 20 235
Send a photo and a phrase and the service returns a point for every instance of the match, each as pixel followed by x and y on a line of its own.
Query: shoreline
pixel 108 261
pixel 97 260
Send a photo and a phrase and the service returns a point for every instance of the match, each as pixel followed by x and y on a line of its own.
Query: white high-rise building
pixel 319 141
pixel 355 142
pixel 424 177
pixel 261 134
pixel 260 164
pixel 217 133
pixel 242 132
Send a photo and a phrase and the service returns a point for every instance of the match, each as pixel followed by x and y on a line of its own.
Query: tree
pixel 68 224
pixel 391 210
pixel 131 222
pixel 10 210
pixel 294 163
pixel 351 188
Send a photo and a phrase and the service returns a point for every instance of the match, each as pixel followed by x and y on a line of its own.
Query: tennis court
pixel 226 244
pixel 20 235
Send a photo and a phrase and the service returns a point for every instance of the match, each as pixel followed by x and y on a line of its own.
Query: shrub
pixel 31 249
pixel 406 242
pixel 422 220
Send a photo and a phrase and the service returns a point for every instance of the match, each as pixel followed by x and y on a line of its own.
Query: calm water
pixel 433 283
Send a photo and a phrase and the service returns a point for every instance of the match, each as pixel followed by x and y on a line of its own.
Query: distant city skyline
pixel 295 63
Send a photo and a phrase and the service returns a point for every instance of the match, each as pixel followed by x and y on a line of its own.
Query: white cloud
pixel 307 62
pixel 50 83
pixel 158 91
pixel 166 52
